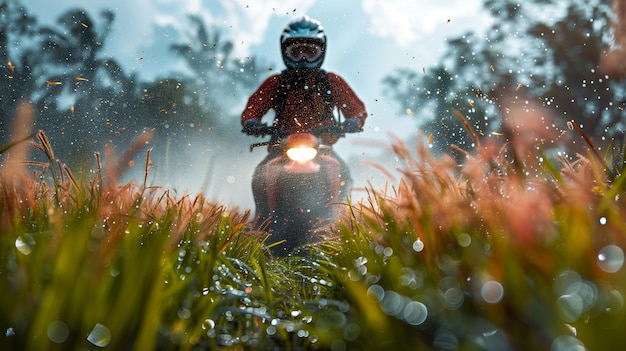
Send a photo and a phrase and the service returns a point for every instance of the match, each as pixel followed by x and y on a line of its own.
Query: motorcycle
pixel 295 186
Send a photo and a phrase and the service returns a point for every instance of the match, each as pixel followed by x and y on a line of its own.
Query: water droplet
pixel 25 244
pixel 454 298
pixel 490 333
pixel 616 301
pixel 611 258
pixel 58 332
pixel 602 220
pixel 464 239
pixel 199 217
pixel 415 313
pixel 338 345
pixel 208 324
pixel 570 307
pixel 567 343
pixel 351 332
pixel 565 280
pixel 377 292
pixel 445 340
pixel 184 313
pixel 492 291
pixel 100 335
pixel 588 293
pixel 392 303
pixel 418 245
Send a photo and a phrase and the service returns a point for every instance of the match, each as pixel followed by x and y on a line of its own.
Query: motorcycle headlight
pixel 301 147
pixel 301 153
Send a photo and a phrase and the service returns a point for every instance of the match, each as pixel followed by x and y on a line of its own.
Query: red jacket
pixel 304 106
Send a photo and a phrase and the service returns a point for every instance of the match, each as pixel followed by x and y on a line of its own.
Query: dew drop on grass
pixel 567 343
pixel 565 280
pixel 208 324
pixel 464 239
pixel 392 303
pixel 418 245
pixel 100 335
pixel 454 298
pixel 351 332
pixel 569 307
pixel 445 340
pixel 415 313
pixel 25 244
pixel 199 217
pixel 611 258
pixel 184 313
pixel 376 291
pixel 58 332
pixel 616 301
pixel 492 291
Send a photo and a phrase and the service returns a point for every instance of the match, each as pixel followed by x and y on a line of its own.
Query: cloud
pixel 406 22
pixel 248 20
pixel 245 22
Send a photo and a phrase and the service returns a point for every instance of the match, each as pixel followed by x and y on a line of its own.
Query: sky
pixel 367 40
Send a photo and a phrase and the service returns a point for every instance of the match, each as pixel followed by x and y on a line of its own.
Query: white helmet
pixel 303 43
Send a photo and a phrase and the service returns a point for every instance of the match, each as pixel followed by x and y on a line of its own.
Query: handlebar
pixel 265 130
pixel 276 133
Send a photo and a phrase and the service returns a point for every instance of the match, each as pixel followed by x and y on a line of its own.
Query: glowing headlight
pixel 302 153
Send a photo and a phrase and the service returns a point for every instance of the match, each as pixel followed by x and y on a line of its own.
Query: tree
pixel 541 50
pixel 217 78
pixel 81 93
pixel 85 100
pixel 16 62
pixel 614 62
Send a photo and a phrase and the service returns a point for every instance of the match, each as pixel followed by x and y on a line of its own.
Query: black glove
pixel 351 125
pixel 252 127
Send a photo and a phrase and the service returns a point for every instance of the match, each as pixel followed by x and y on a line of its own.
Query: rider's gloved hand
pixel 351 125
pixel 252 127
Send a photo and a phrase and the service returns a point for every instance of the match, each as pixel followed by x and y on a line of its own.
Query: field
pixel 508 251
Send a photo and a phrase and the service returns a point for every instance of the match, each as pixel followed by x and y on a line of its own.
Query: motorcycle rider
pixel 303 97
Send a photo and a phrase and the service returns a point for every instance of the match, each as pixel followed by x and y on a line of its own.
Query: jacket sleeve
pixel 262 100
pixel 345 98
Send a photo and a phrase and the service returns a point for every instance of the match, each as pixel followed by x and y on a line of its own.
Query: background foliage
pixel 538 55
pixel 85 100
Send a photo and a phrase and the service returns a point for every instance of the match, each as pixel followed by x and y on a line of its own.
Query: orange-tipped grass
pixel 501 220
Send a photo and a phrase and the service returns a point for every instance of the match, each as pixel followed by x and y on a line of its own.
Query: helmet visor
pixel 307 51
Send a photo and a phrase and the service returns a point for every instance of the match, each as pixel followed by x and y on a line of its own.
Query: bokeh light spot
pixel 492 291
pixel 611 258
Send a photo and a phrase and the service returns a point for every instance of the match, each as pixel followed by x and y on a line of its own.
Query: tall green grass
pixel 506 252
